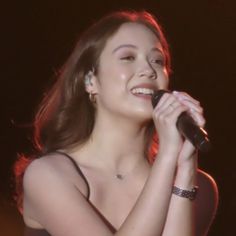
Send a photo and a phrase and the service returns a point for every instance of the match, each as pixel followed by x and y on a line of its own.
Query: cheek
pixel 125 76
pixel 164 80
pixel 114 70
pixel 116 77
pixel 113 83
pixel 166 83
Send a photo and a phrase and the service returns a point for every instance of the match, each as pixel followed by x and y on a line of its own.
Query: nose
pixel 147 71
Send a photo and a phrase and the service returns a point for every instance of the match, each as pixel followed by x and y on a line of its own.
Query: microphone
pixel 187 126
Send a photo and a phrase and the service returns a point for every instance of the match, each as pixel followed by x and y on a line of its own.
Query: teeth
pixel 142 91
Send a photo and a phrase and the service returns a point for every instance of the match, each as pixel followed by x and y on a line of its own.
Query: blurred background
pixel 37 37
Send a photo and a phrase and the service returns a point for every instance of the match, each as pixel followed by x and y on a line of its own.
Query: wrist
pixel 188 152
pixel 168 150
pixel 188 163
pixel 186 193
pixel 185 177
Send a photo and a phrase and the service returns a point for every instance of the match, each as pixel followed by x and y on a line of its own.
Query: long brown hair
pixel 66 116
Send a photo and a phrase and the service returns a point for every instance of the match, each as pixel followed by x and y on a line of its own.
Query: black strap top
pixel 78 170
pixel 42 232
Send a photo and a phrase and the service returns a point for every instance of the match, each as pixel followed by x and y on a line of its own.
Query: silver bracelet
pixel 190 194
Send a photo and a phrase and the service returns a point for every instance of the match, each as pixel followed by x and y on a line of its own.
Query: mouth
pixel 142 91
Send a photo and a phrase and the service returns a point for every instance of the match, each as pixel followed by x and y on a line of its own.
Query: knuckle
pixel 203 121
pixel 166 95
pixel 161 117
pixel 201 110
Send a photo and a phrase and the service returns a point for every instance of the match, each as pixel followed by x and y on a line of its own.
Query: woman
pixel 99 171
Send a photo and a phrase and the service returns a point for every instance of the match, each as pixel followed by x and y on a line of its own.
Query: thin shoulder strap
pixel 77 168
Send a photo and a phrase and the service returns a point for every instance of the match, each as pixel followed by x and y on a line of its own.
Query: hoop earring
pixel 92 97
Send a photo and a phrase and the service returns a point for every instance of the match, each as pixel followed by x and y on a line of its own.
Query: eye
pixel 128 58
pixel 158 62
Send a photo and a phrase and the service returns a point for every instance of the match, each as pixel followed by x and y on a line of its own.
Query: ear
pixel 90 82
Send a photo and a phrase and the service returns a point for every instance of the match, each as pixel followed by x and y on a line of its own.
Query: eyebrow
pixel 124 46
pixel 135 47
pixel 157 49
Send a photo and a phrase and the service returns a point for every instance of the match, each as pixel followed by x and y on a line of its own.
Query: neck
pixel 117 145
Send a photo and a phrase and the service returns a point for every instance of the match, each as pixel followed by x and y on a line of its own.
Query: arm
pixel 155 201
pixel 185 216
pixel 52 200
pixel 205 206
pixel 180 216
pixel 60 207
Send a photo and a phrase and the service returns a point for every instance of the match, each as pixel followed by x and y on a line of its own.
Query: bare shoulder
pixel 206 202
pixel 44 180
pixel 40 167
pixel 39 171
pixel 54 201
pixel 52 167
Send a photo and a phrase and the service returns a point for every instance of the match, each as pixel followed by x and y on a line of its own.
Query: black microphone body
pixel 187 126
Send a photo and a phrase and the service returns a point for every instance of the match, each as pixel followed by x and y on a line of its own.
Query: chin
pixel 142 115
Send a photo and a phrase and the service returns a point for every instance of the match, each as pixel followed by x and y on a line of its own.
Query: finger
pixel 171 114
pixel 175 112
pixel 168 100
pixel 192 106
pixel 182 96
pixel 162 100
pixel 198 118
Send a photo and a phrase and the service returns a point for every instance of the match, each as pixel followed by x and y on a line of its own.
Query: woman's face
pixel 131 66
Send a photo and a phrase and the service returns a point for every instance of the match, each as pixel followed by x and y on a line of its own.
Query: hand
pixel 165 115
pixel 196 111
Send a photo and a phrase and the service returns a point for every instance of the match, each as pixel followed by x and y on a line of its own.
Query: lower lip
pixel 144 96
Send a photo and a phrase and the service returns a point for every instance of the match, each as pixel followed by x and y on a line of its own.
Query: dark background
pixel 37 36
